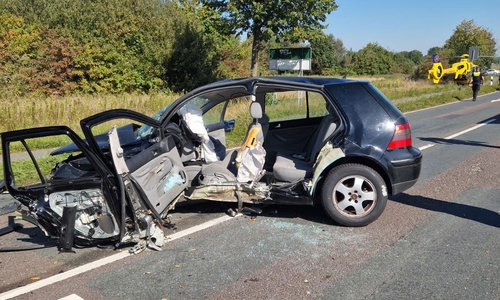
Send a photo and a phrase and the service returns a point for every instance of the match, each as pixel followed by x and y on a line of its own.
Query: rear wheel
pixel 354 195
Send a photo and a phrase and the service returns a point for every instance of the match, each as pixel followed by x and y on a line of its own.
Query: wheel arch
pixel 366 161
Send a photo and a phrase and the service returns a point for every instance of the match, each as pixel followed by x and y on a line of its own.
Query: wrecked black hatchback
pixel 301 141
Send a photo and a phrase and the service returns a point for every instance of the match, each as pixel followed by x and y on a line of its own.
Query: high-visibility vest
pixel 476 78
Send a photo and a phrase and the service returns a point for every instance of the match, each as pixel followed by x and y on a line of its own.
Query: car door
pixel 146 159
pixel 45 184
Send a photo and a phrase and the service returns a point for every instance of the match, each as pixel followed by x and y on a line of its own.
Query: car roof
pixel 290 79
pixel 315 82
pixel 275 83
pixel 304 82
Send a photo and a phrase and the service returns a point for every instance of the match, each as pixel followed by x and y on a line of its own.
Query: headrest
pixel 255 110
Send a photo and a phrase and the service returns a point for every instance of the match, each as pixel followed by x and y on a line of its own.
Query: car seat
pixel 291 167
pixel 247 163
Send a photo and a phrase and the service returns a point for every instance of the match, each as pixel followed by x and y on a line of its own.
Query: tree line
pixel 61 47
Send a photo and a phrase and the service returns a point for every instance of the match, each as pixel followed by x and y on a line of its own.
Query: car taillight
pixel 401 138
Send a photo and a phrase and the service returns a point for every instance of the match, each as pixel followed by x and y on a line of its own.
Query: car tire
pixel 354 195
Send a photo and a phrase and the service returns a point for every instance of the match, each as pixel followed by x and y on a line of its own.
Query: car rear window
pixel 295 105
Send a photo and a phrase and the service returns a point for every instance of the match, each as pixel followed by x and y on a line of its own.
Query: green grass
pixel 24 171
pixel 460 94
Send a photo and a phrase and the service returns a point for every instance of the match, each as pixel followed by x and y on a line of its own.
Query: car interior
pixel 290 142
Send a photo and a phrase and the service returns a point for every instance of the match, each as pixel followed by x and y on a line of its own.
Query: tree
pixel 52 70
pixel 192 62
pixel 328 54
pixel 372 60
pixel 323 53
pixel 18 49
pixel 434 50
pixel 402 64
pixel 467 34
pixel 124 44
pixel 294 20
pixel 415 56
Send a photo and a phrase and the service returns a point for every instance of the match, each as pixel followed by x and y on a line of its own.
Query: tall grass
pixel 20 113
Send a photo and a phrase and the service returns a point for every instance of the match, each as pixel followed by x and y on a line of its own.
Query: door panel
pixel 289 136
pixel 157 170
pixel 162 180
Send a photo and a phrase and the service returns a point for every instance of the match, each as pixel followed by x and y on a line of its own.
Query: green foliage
pixel 140 46
pixel 324 53
pixel 17 53
pixel 402 64
pixel 225 52
pixel 193 61
pixel 434 50
pixel 415 56
pixel 234 59
pixel 270 99
pixel 372 60
pixel 52 70
pixel 467 34
pixel 108 46
pixel 423 68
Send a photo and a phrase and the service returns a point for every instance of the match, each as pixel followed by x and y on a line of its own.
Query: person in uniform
pixel 477 80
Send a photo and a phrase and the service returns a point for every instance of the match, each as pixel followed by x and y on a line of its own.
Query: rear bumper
pixel 405 172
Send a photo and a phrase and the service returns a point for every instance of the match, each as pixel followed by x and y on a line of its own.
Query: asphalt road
pixel 438 240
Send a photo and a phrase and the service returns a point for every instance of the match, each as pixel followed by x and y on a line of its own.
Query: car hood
pixel 126 134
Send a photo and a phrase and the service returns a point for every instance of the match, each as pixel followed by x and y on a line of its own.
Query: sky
pixel 402 25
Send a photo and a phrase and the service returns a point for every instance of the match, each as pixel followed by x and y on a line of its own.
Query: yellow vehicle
pixel 461 70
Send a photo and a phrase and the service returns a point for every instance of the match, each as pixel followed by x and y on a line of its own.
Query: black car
pixel 299 141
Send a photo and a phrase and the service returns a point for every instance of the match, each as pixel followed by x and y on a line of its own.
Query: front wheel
pixel 354 195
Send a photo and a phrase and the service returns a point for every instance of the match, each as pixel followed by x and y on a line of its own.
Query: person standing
pixel 477 80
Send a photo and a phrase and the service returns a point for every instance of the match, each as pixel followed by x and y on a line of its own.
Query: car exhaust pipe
pixel 67 229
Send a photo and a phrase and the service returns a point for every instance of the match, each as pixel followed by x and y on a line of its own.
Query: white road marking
pixel 72 297
pixel 104 261
pixel 495 100
pixel 458 133
pixel 426 147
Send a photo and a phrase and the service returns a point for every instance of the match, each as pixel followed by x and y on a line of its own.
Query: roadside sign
pixel 473 53
pixel 297 59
